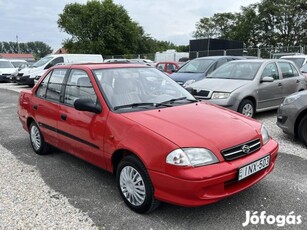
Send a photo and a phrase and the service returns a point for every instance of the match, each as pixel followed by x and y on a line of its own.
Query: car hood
pixel 183 77
pixel 8 70
pixel 221 85
pixel 199 125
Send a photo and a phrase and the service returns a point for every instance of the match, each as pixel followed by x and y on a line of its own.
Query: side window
pixel 58 60
pixel 161 67
pixel 270 71
pixel 212 68
pixel 286 70
pixel 41 90
pixel 171 67
pixel 295 72
pixel 55 62
pixel 79 86
pixel 55 84
pixel 221 62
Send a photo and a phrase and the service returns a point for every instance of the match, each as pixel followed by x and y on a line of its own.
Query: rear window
pixel 298 61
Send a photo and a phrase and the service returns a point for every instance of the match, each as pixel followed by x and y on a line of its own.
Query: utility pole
pixel 17 44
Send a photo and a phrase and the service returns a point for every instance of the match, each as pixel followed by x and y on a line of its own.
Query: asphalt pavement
pixel 59 191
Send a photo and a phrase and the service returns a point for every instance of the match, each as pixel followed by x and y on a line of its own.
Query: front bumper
pixel 3 77
pixel 24 80
pixel 286 118
pixel 208 184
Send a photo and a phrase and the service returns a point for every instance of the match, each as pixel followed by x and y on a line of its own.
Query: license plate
pixel 254 167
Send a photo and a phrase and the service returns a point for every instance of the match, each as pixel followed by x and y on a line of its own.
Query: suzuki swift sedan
pixel 136 122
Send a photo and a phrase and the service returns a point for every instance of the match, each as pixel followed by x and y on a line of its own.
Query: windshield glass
pixel 6 64
pixel 298 61
pixel 17 64
pixel 196 66
pixel 42 62
pixel 237 71
pixel 140 88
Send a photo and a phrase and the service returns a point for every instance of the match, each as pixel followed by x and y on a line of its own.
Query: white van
pixel 299 59
pixel 26 76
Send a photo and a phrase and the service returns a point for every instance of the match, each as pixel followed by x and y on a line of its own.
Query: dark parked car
pixel 250 86
pixel 292 116
pixel 199 68
pixel 134 121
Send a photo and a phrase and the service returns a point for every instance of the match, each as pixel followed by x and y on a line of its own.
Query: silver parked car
pixel 292 116
pixel 250 86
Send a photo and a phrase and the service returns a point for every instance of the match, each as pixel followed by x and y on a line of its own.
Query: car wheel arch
pixel 252 99
pixel 298 120
pixel 29 121
pixel 119 154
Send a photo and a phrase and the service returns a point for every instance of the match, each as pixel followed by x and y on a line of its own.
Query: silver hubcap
pixel 132 185
pixel 248 110
pixel 35 137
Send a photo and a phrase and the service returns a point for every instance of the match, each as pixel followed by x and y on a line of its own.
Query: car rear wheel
pixel 37 140
pixel 247 108
pixel 135 186
pixel 302 131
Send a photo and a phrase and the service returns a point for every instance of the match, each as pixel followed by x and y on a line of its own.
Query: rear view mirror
pixel 86 104
pixel 267 79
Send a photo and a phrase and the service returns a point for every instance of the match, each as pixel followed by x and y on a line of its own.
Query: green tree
pixel 99 27
pixel 284 22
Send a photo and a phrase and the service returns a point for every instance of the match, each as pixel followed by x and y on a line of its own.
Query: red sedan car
pixel 169 66
pixel 134 121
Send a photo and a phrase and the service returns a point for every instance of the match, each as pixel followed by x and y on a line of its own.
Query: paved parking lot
pixel 60 191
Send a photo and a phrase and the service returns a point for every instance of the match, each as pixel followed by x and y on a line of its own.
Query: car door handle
pixel 35 107
pixel 279 84
pixel 63 117
pixel 297 81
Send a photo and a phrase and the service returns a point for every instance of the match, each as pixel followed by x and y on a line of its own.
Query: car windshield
pixel 196 66
pixel 6 64
pixel 42 62
pixel 237 71
pixel 17 63
pixel 298 61
pixel 140 88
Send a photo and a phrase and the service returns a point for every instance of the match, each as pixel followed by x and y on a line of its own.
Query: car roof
pixel 219 57
pixel 295 56
pixel 262 60
pixel 108 65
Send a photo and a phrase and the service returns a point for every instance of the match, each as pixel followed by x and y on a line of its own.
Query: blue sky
pixel 169 20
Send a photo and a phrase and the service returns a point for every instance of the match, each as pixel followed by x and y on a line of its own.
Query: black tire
pixel 133 167
pixel 37 140
pixel 247 108
pixel 302 131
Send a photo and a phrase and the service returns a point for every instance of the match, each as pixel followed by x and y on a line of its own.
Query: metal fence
pixel 274 52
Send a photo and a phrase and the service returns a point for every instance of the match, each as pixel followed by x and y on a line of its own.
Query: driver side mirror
pixel 267 79
pixel 86 104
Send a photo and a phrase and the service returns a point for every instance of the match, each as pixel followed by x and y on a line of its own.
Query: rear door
pixel 270 93
pixel 45 104
pixel 80 131
pixel 291 79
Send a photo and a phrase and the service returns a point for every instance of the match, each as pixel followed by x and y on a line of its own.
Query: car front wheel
pixel 302 131
pixel 247 108
pixel 135 186
pixel 37 140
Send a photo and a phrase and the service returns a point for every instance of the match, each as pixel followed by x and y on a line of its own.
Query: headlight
pixel 290 99
pixel 220 95
pixel 188 82
pixel 191 157
pixel 265 134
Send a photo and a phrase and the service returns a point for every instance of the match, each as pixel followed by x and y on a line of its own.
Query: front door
pixel 80 131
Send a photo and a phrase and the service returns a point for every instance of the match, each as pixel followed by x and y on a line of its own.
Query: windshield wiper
pixel 171 101
pixel 132 105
